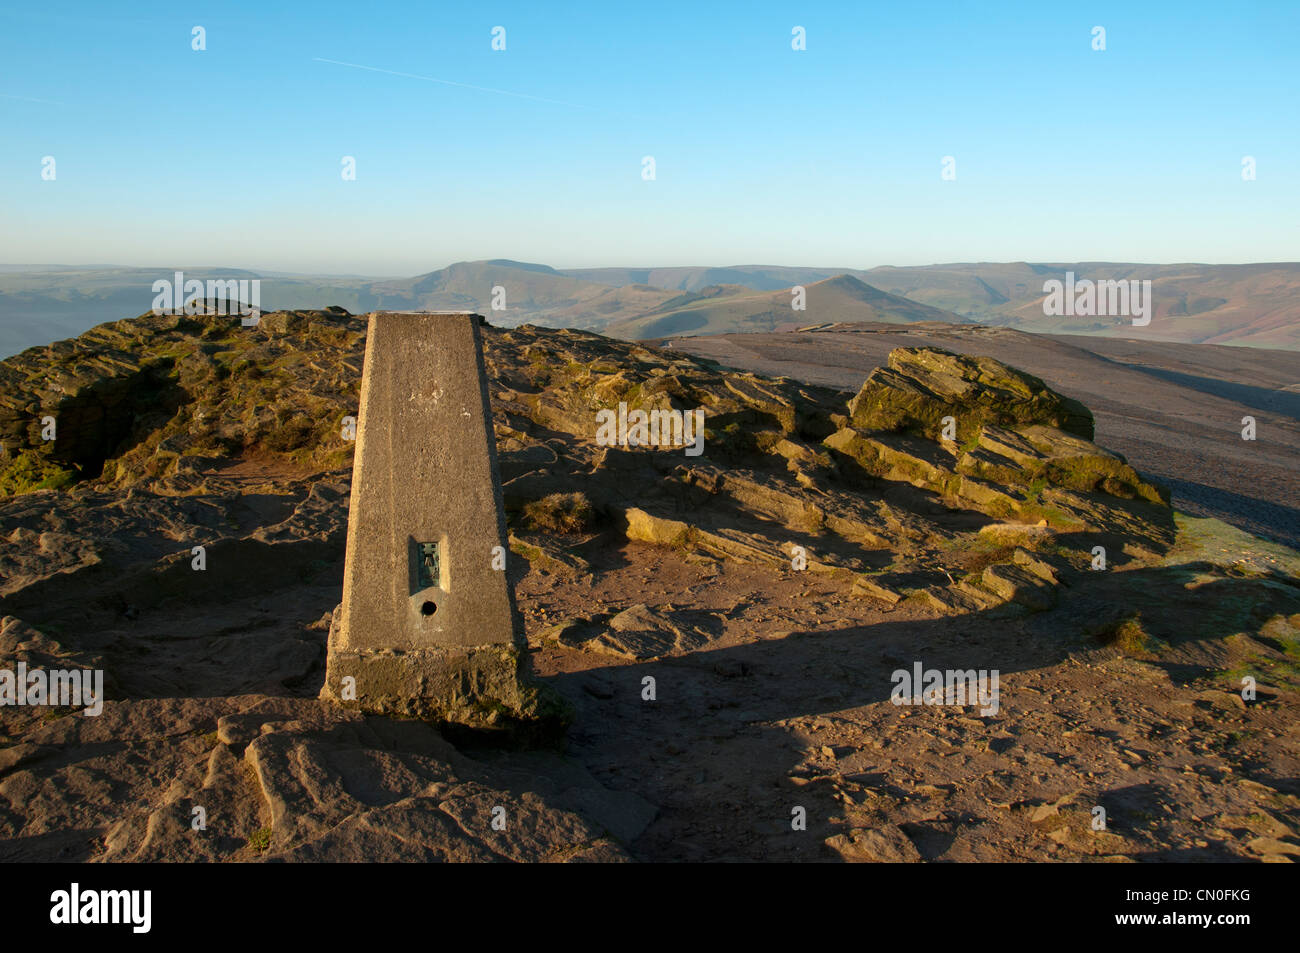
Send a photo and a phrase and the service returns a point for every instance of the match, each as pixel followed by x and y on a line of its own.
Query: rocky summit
pixel 174 513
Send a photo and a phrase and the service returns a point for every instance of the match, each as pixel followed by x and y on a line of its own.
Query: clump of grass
pixel 1035 488
pixel 540 367
pixel 33 470
pixel 1128 636
pixel 686 541
pixel 294 434
pixel 974 552
pixel 260 840
pixel 561 513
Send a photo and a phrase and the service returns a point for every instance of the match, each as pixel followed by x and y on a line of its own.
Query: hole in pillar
pixel 429 608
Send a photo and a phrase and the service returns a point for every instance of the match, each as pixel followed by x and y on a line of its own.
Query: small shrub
pixel 33 470
pixel 1128 636
pixel 260 840
pixel 563 513
pixel 1035 488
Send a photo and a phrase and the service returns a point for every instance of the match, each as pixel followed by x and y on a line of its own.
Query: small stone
pixel 886 844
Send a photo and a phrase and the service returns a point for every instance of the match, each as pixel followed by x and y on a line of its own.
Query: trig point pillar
pixel 428 626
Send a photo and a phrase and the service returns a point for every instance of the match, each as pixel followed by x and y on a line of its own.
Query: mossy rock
pixel 921 386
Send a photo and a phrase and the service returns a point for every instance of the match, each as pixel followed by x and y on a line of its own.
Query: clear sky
pixel 829 156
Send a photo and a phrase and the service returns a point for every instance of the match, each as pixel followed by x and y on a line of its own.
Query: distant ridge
pixel 727 309
pixel 1255 304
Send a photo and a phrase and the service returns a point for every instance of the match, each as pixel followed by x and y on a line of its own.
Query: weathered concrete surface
pixel 428 625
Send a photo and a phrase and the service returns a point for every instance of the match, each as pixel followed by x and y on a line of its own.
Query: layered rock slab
pixel 922 385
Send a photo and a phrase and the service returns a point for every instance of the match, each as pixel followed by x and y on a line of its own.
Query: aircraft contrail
pixel 448 82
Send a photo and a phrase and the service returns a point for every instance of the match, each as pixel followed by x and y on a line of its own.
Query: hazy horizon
pixel 36 266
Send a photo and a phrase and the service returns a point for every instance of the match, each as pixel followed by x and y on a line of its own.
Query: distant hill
pixel 469 284
pixel 532 294
pixel 46 303
pixel 1256 304
pixel 756 277
pixel 730 308
pixel 40 306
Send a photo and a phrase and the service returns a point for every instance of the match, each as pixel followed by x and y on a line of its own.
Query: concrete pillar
pixel 428 625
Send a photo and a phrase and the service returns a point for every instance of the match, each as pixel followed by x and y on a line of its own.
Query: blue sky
pixel 830 156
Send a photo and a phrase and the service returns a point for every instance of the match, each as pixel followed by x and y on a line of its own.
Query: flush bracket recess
pixel 430 565
pixel 426 573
